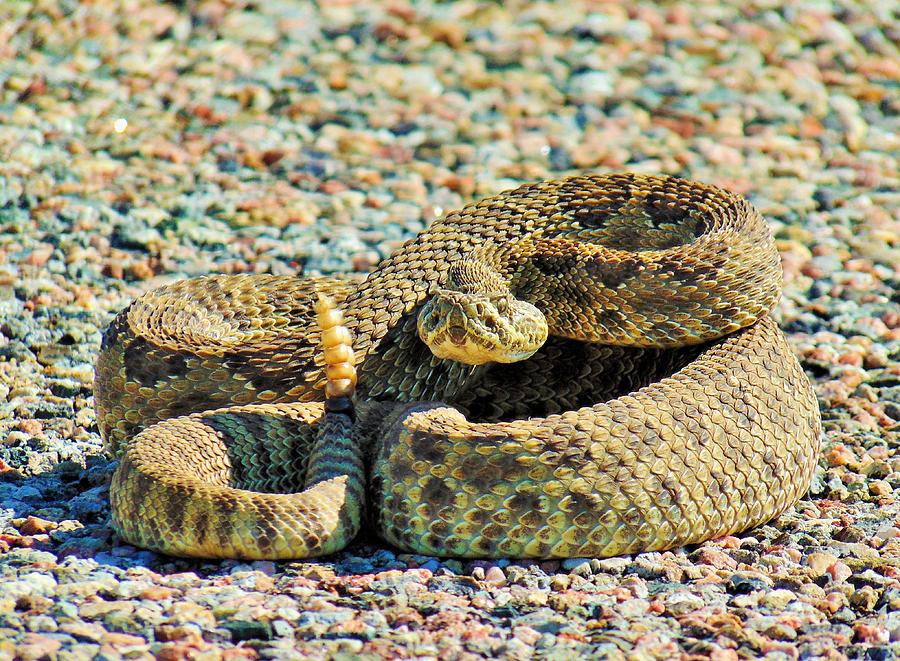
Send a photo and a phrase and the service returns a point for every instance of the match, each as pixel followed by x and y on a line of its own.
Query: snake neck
pixel 402 368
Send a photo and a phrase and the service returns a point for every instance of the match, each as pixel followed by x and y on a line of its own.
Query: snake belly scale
pixel 583 367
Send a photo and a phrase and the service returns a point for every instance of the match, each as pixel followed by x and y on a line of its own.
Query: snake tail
pixel 245 462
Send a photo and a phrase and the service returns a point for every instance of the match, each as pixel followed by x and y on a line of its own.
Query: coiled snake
pixel 581 367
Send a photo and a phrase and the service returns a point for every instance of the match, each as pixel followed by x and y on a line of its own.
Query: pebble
pixel 839 572
pixel 747 581
pixel 864 598
pixel 819 563
pixel 777 600
pixel 681 603
pixel 495 576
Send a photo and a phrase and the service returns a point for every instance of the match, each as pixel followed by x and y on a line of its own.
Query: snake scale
pixel 579 367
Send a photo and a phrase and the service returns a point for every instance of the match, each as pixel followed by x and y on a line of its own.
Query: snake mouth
pixel 457 334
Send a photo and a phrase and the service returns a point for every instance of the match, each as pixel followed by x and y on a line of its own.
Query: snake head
pixel 476 320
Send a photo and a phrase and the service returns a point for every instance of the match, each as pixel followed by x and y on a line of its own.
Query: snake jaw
pixel 476 329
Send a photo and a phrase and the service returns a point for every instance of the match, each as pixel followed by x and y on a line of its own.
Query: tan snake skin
pixel 663 408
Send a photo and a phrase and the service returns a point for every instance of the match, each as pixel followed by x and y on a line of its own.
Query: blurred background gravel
pixel 143 142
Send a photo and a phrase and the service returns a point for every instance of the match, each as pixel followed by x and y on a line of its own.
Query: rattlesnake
pixel 623 389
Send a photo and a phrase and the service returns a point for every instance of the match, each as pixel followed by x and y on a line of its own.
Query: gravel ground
pixel 141 143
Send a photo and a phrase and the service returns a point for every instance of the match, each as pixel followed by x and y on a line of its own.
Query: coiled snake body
pixel 581 367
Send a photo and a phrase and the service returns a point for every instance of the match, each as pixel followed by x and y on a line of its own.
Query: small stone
pixel 681 603
pixel 778 599
pixel 186 633
pixel 242 630
pixel 431 565
pixel 36 526
pixel 38 258
pixel 157 593
pixel 840 572
pixel 884 534
pixel 633 608
pixel 636 585
pixel 31 427
pixel 560 582
pixel 873 468
pixel 119 640
pixel 819 562
pixel 651 566
pixel 282 629
pixel 750 600
pixel 243 26
pixel 840 455
pixel 615 566
pixel 864 599
pixel 448 32
pixel 851 534
pixel 99 609
pixel 454 566
pixel 871 634
pixel 578 567
pixel 593 85
pixel 495 576
pixel 89 631
pixel 812 591
pixel 526 634
pixel 781 631
pixel 715 557
pixel 745 582
pixel 483 602
pixel 880 488
pixel 42 624
pixel 35 647
pixel 515 573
